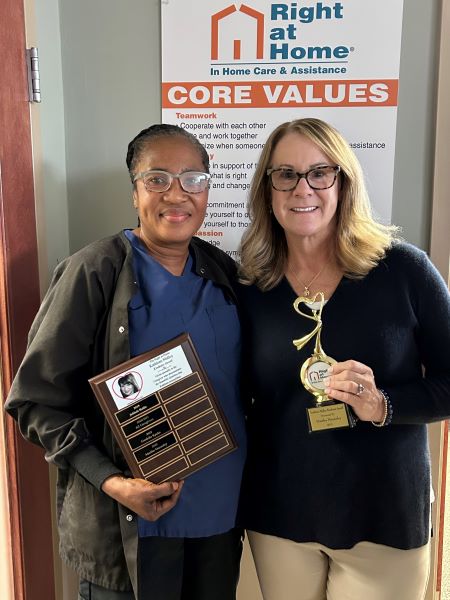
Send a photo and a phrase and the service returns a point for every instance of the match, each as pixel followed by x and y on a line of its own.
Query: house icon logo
pixel 234 45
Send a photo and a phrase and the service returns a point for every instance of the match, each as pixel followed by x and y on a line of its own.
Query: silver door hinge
pixel 34 84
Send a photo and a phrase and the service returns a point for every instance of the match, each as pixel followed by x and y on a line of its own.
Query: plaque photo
pixel 164 413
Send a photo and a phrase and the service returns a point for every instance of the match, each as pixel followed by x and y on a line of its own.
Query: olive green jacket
pixel 81 330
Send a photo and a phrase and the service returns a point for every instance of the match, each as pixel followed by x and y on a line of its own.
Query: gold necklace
pixel 306 287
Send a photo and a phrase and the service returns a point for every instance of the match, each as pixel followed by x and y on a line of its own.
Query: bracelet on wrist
pixel 387 415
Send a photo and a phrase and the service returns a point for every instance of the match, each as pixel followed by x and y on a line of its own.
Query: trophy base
pixel 332 415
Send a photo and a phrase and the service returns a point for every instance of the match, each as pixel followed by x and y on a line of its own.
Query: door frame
pixel 440 255
pixel 27 483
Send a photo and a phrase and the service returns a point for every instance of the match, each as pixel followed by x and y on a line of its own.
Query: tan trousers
pixel 291 571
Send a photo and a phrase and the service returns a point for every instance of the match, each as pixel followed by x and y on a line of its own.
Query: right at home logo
pixel 281 41
pixel 256 23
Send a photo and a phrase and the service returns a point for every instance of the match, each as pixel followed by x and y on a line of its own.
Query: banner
pixel 231 73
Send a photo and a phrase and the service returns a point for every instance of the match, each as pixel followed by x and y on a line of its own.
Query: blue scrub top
pixel 166 306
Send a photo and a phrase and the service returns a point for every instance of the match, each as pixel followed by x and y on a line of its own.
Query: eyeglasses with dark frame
pixel 156 180
pixel 284 179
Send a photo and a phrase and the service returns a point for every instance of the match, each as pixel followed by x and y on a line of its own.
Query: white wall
pixel 111 74
pixel 413 173
pixel 49 137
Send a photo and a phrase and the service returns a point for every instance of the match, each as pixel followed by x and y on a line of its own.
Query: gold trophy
pixel 326 412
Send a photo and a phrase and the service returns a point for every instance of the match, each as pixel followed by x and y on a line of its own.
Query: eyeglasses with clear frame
pixel 192 182
pixel 284 179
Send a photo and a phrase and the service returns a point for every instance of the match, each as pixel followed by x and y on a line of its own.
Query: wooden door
pixel 28 479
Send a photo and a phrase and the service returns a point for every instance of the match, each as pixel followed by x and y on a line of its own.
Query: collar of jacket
pixel 216 265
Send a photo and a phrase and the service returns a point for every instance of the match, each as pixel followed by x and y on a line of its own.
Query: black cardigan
pixel 363 484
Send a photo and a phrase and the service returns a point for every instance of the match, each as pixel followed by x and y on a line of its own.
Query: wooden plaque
pixel 164 413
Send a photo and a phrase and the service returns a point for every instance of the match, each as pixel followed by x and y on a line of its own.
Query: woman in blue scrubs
pixel 115 299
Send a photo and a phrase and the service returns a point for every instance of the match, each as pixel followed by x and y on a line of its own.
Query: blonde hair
pixel 361 242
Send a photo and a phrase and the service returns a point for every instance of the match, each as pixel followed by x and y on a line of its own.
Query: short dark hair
pixel 139 144
pixel 128 378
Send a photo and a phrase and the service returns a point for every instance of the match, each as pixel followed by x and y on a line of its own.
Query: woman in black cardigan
pixel 336 500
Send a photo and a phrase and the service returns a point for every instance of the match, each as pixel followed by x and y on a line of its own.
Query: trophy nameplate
pixel 326 413
pixel 164 413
